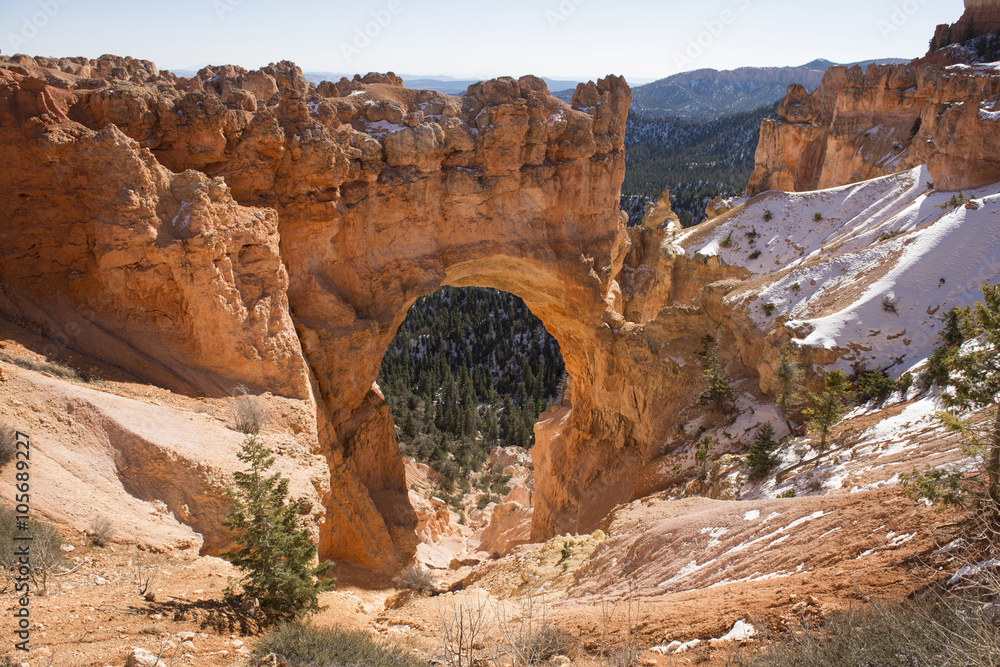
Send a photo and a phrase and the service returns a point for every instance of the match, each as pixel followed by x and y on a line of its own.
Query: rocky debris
pixel 721 206
pixel 140 657
pixel 509 527
pixel 548 569
pixel 860 125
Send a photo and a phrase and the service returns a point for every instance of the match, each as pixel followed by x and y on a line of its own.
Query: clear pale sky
pixel 573 39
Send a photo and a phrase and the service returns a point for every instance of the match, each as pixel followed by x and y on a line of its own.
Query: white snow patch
pixel 384 125
pixel 183 218
pixel 715 534
pixel 741 632
pixel 752 515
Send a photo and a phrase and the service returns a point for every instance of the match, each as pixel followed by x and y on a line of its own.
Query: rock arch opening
pixel 469 370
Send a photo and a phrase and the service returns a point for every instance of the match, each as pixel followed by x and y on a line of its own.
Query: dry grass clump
pixel 50 367
pixel 46 555
pixel 101 531
pixel 415 578
pixel 248 414
pixel 305 645
pixel 8 444
pixel 941 628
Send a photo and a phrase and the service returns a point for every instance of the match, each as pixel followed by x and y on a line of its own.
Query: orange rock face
pixel 981 17
pixel 250 228
pixel 859 125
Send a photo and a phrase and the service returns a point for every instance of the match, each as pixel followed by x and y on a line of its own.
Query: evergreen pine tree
pixel 718 391
pixel 760 457
pixel 828 407
pixel 974 379
pixel 789 374
pixel 274 553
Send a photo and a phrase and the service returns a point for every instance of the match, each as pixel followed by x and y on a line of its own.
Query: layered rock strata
pixel 863 124
pixel 250 228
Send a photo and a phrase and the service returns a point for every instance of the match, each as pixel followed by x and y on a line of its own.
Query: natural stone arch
pixel 549 234
pixel 249 227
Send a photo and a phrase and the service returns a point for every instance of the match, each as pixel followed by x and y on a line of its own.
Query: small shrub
pixel 754 255
pixel 938 364
pixel 769 309
pixel 539 647
pixel 46 554
pixel 796 287
pixel 274 553
pixel 46 366
pixel 873 386
pixel 890 235
pixel 904 383
pixel 954 202
pixel 305 645
pixel 704 447
pixel 917 124
pixel 248 414
pixel 752 235
pixel 8 444
pixel 952 333
pixel 828 408
pixel 728 241
pixel 415 578
pixel 890 305
pixel 566 552
pixel 142 574
pixel 944 488
pixel 930 629
pixel 768 216
pixel 790 493
pixel 818 217
pixel 101 531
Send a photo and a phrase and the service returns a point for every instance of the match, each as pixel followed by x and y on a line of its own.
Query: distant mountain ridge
pixel 708 94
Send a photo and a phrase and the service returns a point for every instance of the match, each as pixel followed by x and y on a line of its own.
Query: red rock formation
pixel 129 244
pixel 981 17
pixel 179 227
pixel 859 125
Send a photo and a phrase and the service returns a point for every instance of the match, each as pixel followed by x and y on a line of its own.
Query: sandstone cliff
pixel 863 124
pixel 981 17
pixel 250 228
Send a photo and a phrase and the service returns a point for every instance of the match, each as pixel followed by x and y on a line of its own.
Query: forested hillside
pixel 470 369
pixel 698 160
pixel 709 94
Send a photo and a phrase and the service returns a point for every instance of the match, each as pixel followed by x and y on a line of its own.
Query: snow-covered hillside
pixel 866 269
